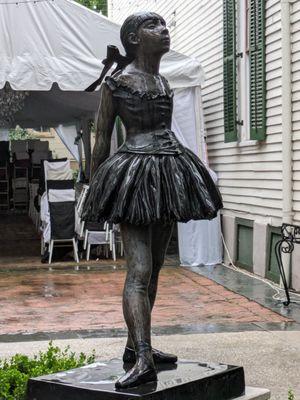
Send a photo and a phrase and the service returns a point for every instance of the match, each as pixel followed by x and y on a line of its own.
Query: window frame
pixel 245 91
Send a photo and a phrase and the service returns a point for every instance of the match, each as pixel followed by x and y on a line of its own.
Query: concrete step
pixel 252 393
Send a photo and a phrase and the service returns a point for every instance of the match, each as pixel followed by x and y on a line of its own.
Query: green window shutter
pixel 229 70
pixel 257 70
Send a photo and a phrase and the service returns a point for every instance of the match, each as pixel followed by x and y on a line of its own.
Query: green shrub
pixel 75 174
pixel 19 134
pixel 14 373
pixel 291 395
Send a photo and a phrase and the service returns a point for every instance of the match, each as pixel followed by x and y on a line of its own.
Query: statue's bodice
pixel 146 112
pixel 142 108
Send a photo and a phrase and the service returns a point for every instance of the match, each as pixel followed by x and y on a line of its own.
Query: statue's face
pixel 153 36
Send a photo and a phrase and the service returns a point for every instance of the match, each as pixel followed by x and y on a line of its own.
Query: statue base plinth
pixel 186 380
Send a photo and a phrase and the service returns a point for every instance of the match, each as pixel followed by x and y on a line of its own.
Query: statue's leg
pixel 161 235
pixel 136 305
pixel 160 238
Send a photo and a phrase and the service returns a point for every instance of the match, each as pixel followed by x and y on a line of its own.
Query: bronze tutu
pixel 143 189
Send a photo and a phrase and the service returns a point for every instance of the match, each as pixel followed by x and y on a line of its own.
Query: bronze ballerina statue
pixel 148 185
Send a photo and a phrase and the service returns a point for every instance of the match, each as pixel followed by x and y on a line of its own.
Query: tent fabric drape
pixel 4 134
pixel 45 218
pixel 61 41
pixel 199 241
pixel 67 134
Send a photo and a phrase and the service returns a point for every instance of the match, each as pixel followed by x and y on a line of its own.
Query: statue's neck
pixel 147 63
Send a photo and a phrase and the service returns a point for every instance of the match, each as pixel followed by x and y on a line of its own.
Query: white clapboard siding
pixel 295 38
pixel 250 178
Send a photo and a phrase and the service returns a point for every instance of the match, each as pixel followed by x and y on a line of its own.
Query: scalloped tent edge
pixel 63 42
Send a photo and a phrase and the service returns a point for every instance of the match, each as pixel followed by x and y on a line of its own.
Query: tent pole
pixel 86 140
pixel 78 142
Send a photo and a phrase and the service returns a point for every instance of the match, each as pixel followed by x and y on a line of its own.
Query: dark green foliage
pixel 291 395
pixel 96 5
pixel 19 134
pixel 14 373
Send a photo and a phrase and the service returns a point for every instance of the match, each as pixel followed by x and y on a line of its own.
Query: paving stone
pixel 252 393
pixel 54 301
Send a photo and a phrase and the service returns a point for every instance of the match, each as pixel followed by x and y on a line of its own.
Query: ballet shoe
pixel 143 370
pixel 159 357
pixel 134 377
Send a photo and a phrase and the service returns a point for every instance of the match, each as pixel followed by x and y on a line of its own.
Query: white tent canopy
pixel 54 48
pixel 48 41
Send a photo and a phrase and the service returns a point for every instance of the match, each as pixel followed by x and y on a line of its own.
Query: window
pixel 244 70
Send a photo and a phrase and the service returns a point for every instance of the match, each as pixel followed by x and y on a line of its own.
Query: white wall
pixel 295 37
pixel 249 176
pixel 295 30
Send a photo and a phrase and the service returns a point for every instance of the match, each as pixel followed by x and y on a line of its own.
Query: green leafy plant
pixel 291 395
pixel 14 373
pixel 96 5
pixel 19 134
pixel 75 174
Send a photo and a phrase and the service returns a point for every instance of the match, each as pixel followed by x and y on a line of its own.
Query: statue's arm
pixel 105 120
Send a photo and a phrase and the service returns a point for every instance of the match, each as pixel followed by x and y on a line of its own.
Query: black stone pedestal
pixel 186 380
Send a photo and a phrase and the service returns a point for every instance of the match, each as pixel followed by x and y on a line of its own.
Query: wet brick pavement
pixel 19 242
pixel 60 301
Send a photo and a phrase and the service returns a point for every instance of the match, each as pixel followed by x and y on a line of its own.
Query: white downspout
pixel 287 161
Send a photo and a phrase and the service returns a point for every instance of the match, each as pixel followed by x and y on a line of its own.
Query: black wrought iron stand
pixel 290 234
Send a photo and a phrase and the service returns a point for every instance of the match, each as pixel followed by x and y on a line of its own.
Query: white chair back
pixel 57 171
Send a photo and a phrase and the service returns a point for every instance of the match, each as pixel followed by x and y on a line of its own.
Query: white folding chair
pixel 79 223
pixel 95 238
pixel 99 237
pixel 63 243
pixel 82 198
pixel 57 171
pixel 62 219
